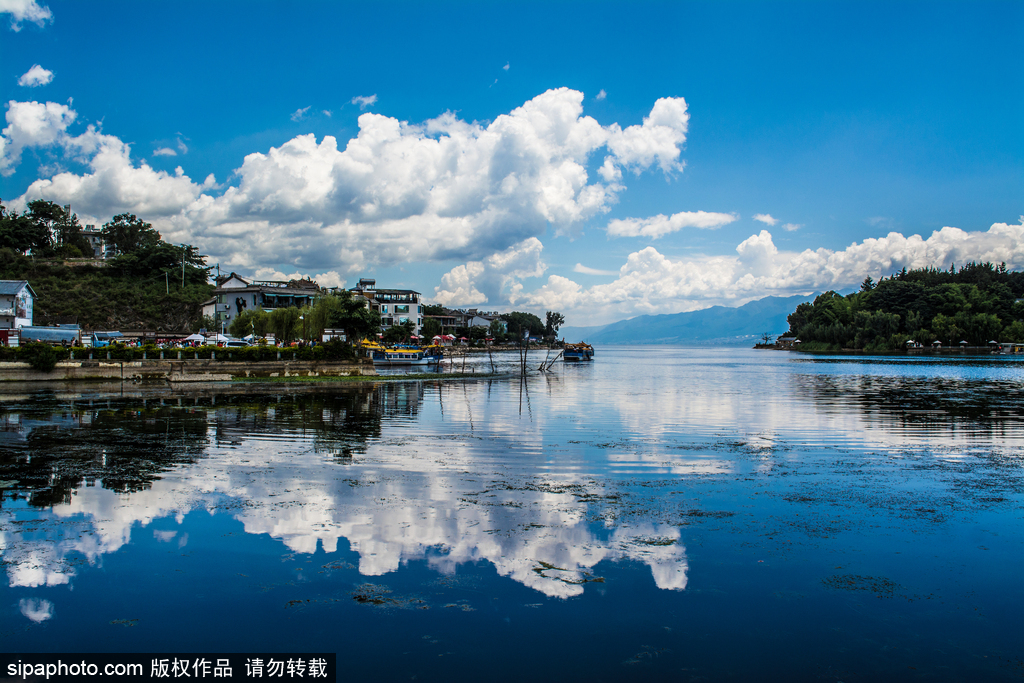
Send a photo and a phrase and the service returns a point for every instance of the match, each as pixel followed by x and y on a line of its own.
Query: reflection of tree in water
pixel 340 422
pixel 51 447
pixel 398 399
pixel 922 402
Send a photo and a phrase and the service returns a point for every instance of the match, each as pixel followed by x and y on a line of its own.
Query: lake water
pixel 659 514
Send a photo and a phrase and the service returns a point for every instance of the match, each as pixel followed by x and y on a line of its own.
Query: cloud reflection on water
pixel 311 469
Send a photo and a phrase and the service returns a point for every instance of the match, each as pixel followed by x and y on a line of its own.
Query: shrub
pixel 41 357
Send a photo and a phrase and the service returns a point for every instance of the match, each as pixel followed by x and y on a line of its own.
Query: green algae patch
pixel 879 585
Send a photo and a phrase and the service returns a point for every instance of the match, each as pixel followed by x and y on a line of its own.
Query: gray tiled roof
pixel 11 287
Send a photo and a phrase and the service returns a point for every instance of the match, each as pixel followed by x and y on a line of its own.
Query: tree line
pixel 345 311
pixel 978 303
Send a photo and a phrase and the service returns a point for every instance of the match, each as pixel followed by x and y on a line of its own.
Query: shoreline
pixel 211 371
pixel 973 351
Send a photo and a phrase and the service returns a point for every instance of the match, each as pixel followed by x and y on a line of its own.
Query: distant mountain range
pixel 716 325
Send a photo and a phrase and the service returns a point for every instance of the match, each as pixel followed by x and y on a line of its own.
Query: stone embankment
pixel 181 370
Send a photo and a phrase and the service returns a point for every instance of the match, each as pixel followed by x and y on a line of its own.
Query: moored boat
pixel 574 353
pixel 403 355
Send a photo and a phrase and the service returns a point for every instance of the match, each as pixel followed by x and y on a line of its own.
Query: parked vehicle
pixel 100 339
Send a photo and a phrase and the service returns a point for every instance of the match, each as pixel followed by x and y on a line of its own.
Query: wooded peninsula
pixel 978 303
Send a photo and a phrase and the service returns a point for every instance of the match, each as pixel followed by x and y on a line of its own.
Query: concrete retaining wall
pixel 180 370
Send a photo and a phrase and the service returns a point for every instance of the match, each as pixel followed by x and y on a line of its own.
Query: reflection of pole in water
pixel 522 386
pixel 469 406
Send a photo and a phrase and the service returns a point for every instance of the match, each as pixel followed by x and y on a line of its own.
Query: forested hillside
pixel 147 285
pixel 979 303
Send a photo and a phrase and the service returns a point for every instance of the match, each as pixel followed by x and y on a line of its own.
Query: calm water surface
pixel 660 514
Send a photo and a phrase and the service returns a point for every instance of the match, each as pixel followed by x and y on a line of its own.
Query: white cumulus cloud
pixel 601 95
pixel 31 124
pixel 164 152
pixel 790 227
pixel 766 219
pixel 495 279
pixel 328 279
pixel 25 10
pixel 661 225
pixel 650 282
pixel 444 189
pixel 299 114
pixel 35 76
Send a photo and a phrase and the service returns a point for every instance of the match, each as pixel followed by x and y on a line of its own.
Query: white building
pixel 16 299
pixel 396 306
pixel 100 250
pixel 235 294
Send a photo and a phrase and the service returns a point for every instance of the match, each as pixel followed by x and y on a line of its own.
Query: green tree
pixel 48 216
pixel 496 331
pixel 255 321
pixel 398 334
pixel 799 318
pixel 518 323
pixel 20 233
pixel 204 322
pixel 127 234
pixel 283 323
pixel 431 328
pixel 345 311
pixel 160 257
pixel 1014 332
pixel 432 309
pixel 55 230
pixel 554 320
pixel 946 329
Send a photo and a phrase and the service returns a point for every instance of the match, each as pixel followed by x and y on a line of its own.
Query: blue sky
pixel 867 137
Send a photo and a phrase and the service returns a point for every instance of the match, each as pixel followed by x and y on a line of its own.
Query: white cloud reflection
pixel 440 503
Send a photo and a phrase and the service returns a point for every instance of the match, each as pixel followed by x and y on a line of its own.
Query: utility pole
pixel 167 282
pixel 183 266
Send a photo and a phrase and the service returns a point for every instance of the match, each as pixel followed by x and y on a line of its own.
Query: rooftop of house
pixel 306 284
pixel 11 287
